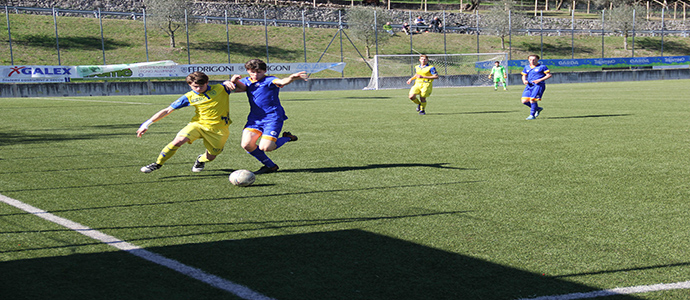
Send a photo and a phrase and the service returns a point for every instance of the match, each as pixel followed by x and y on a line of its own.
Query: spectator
pixel 436 25
pixel 406 28
pixel 388 28
pixel 419 23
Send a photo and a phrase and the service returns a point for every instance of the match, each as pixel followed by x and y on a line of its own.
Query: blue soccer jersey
pixel 539 71
pixel 534 92
pixel 263 99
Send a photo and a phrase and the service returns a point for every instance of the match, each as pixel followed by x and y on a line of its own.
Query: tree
pixel 363 28
pixel 474 4
pixel 620 19
pixel 168 15
pixel 502 18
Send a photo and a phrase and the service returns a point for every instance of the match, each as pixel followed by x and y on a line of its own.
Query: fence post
pixel 572 33
pixel 662 30
pixel 541 32
pixel 186 29
pixel 603 13
pixel 266 35
pixel 304 37
pixel 633 34
pixel 100 21
pixel 376 33
pixel 9 34
pixel 476 15
pixel 227 34
pixel 146 35
pixel 340 26
pixel 57 39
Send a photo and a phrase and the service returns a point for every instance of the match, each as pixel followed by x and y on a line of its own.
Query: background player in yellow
pixel 499 73
pixel 423 80
pixel 209 123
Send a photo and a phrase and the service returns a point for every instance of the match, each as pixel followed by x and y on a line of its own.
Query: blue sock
pixel 262 157
pixel 281 141
pixel 527 104
pixel 533 108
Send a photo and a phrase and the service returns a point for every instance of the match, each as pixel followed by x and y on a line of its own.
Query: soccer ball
pixel 242 178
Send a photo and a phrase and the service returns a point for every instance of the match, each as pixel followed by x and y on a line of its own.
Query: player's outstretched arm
pixel 157 116
pixel 239 86
pixel 287 80
pixel 228 84
pixel 412 78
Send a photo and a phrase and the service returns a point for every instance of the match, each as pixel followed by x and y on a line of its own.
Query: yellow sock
pixel 416 101
pixel 423 105
pixel 167 153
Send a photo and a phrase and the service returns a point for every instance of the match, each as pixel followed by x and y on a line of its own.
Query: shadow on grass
pixel 71 42
pixel 185 178
pixel 346 264
pixel 277 53
pixel 654 44
pixel 368 167
pixel 560 48
pixel 16 138
pixel 476 112
pixel 590 116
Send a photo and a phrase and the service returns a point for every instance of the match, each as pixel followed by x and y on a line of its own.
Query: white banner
pixel 14 74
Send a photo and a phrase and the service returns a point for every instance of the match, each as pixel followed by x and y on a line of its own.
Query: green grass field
pixel 373 202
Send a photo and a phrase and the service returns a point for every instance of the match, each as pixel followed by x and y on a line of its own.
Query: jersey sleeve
pixel 432 70
pixel 180 102
pixel 274 83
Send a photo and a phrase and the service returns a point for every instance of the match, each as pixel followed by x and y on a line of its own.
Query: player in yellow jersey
pixel 423 80
pixel 210 122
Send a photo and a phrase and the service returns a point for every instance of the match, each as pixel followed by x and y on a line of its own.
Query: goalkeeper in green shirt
pixel 499 73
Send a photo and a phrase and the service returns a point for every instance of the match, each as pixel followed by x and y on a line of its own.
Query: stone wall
pixel 325 12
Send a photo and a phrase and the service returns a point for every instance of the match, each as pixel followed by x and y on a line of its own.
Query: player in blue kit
pixel 533 76
pixel 210 122
pixel 266 114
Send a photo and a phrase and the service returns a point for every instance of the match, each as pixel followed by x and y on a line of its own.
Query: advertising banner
pixel 158 69
pixel 597 63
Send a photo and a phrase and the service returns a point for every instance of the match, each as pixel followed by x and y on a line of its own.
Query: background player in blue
pixel 533 76
pixel 266 115
pixel 209 123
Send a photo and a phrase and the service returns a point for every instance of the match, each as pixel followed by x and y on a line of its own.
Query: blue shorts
pixel 269 129
pixel 533 92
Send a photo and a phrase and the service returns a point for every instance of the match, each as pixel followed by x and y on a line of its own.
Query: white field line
pixel 86 100
pixel 210 279
pixel 617 291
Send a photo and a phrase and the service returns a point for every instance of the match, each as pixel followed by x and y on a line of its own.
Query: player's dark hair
pixel 197 77
pixel 535 56
pixel 427 57
pixel 497 62
pixel 255 64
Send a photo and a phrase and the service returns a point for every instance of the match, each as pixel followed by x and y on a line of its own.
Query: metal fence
pixel 471 29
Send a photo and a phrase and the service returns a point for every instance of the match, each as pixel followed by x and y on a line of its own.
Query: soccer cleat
pixel 421 113
pixel 150 168
pixel 266 170
pixel 198 166
pixel 531 117
pixel 536 113
pixel 290 135
pixel 419 108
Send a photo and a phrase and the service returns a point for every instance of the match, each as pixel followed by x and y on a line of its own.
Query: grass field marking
pixel 85 100
pixel 210 279
pixel 618 291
